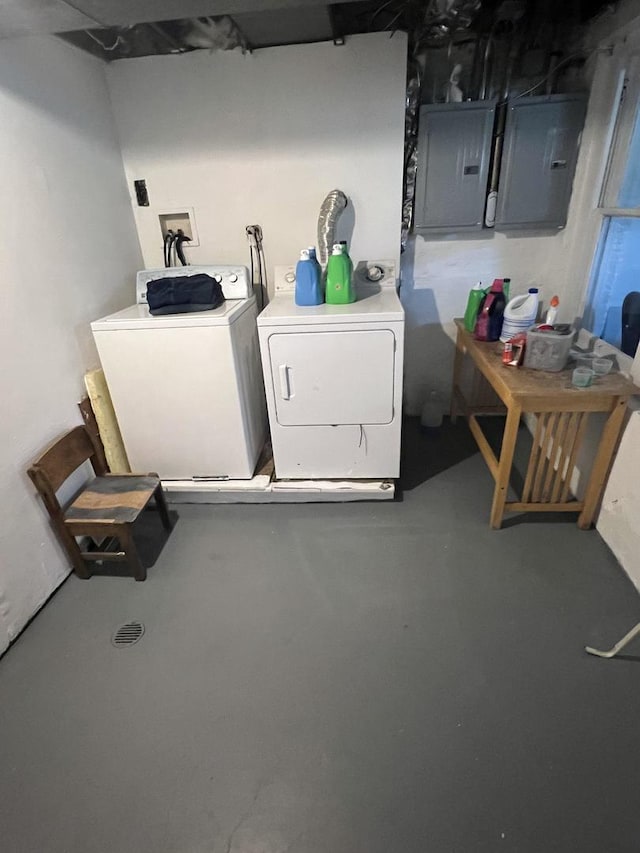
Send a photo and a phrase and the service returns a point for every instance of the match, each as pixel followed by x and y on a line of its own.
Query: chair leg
pixel 73 551
pixel 163 510
pixel 125 536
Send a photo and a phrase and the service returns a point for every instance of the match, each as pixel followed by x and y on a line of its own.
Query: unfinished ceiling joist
pixel 39 17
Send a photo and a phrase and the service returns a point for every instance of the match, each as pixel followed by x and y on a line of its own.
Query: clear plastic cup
pixel 601 366
pixel 582 377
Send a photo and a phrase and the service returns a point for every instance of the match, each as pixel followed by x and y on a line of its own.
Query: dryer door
pixel 332 378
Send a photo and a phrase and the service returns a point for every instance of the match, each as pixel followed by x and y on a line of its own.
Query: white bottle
pixel 431 415
pixel 520 314
pixel 553 311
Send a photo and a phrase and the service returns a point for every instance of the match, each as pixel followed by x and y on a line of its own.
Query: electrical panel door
pixel 454 152
pixel 542 136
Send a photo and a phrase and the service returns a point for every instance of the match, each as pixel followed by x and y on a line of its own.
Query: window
pixel 629 195
pixel 615 275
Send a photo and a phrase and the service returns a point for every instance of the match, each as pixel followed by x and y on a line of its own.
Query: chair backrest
pixel 630 323
pixel 89 418
pixel 57 463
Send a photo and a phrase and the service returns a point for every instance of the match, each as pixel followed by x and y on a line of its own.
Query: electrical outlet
pixel 142 196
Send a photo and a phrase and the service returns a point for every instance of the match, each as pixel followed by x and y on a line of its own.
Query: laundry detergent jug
pixel 340 289
pixel 308 280
pixel 490 315
pixel 520 314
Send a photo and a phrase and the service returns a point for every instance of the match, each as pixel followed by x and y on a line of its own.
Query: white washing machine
pixel 187 388
pixel 333 379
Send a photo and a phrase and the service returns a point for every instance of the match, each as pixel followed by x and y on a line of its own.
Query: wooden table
pixel 561 412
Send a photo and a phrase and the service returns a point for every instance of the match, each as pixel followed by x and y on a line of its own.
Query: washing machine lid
pixel 138 317
pixel 375 306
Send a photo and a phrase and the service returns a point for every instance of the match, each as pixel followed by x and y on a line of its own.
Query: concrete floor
pixel 359 678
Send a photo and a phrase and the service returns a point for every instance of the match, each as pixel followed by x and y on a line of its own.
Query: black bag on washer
pixel 183 294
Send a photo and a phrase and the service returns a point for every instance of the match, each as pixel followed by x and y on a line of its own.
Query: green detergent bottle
pixel 345 252
pixel 473 306
pixel 340 290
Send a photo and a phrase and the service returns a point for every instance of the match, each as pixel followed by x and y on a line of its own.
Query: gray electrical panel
pixel 539 157
pixel 454 151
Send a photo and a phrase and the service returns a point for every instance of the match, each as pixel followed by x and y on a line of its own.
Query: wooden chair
pixel 104 510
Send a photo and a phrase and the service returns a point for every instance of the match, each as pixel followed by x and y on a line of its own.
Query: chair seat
pixel 112 499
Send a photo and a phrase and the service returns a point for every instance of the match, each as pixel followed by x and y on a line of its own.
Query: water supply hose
pixel 168 242
pixel 181 238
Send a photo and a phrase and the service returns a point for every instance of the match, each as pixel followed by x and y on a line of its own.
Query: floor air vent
pixel 127 634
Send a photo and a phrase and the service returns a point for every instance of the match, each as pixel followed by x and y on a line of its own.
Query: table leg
pixel 509 439
pixel 602 463
pixel 457 370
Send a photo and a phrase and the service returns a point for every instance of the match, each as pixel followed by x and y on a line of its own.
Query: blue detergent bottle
pixel 313 257
pixel 308 284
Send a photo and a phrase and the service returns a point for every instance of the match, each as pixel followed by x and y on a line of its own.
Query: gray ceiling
pixel 118 29
pixel 29 17
pixel 22 17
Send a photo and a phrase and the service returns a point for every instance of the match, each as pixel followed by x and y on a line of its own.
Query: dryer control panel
pixel 235 280
pixel 284 278
pixel 380 273
pixel 367 274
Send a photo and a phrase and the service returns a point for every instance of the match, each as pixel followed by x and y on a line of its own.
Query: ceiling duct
pixel 443 18
pixel 213 34
pixel 298 23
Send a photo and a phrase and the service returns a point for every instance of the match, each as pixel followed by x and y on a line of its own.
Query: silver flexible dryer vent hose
pixel 330 210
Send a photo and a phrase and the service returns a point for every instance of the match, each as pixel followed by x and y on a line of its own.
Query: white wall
pixel 68 250
pixel 437 275
pixel 618 518
pixel 618 522
pixel 262 139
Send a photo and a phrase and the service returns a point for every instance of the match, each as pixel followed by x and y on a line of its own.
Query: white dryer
pixel 187 388
pixel 333 379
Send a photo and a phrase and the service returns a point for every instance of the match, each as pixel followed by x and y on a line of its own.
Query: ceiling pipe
pixel 485 67
pixel 552 73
